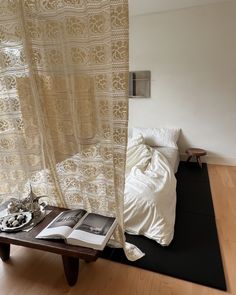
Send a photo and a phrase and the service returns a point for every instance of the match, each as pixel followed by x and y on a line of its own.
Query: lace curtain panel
pixel 64 103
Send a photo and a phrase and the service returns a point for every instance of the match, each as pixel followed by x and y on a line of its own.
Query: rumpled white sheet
pixel 150 193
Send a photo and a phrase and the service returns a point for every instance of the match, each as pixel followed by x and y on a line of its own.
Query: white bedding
pixel 150 193
pixel 172 155
pixel 150 190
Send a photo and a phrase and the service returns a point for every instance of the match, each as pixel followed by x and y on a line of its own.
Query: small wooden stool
pixel 195 152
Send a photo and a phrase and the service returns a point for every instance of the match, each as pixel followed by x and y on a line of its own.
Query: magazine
pixel 78 227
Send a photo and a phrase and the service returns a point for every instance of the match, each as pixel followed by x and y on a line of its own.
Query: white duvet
pixel 150 193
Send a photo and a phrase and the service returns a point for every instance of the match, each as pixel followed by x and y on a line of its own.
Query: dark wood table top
pixel 27 239
pixel 196 152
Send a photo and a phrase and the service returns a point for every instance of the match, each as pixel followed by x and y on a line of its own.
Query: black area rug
pixel 194 254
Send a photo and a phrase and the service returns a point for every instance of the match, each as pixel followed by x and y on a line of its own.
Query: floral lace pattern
pixel 64 102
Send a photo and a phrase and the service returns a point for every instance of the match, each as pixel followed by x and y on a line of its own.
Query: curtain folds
pixel 64 103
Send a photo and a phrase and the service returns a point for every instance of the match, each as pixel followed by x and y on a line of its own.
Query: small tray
pixel 5 226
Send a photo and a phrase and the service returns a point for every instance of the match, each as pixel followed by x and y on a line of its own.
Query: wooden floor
pixel 31 272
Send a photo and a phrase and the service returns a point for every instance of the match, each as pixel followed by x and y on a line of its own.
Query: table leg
pixel 189 158
pixel 4 251
pixel 71 269
pixel 199 161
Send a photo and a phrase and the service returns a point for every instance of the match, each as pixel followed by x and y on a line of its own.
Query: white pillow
pixel 135 140
pixel 166 137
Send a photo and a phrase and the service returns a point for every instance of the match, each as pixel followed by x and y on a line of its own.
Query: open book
pixel 78 227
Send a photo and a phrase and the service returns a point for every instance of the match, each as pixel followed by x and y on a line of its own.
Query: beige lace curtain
pixel 64 103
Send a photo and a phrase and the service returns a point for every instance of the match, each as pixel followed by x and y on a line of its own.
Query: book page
pixel 96 224
pixel 63 224
pixel 95 229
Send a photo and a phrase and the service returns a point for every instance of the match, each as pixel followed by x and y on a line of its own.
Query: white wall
pixel 191 54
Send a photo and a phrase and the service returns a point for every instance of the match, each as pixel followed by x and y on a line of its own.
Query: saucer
pixel 16 221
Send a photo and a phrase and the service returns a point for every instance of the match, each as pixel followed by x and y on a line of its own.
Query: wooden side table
pixel 196 152
pixel 70 254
